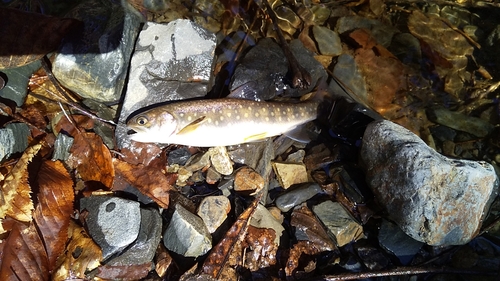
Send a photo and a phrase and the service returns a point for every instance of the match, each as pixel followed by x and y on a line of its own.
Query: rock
pixel 289 174
pixel 425 193
pixel 94 61
pixel 328 41
pixel 212 175
pixel 246 180
pixel 198 161
pixel 292 198
pixel 144 247
pixel 381 32
pixel 349 75
pixel 6 143
pixel 339 222
pixel 62 146
pixel 186 234
pixel 220 160
pixel 406 48
pixel 171 62
pixel 16 87
pixel 112 222
pixel 178 156
pixel 13 139
pixel 307 227
pixel 262 218
pixel 248 153
pixel 296 157
pixel 461 122
pixel 213 211
pixel 394 240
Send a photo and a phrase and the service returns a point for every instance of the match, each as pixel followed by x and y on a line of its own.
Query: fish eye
pixel 141 120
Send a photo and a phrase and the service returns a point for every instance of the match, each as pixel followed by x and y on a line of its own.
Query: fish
pixel 219 122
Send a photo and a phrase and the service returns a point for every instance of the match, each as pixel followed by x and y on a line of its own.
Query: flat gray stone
pixel 381 32
pixel 458 121
pixel 186 234
pixel 112 222
pixel 13 139
pixel 394 240
pixel 424 192
pixel 62 146
pixel 213 211
pixel 16 87
pixel 286 201
pixel 348 73
pixel 328 41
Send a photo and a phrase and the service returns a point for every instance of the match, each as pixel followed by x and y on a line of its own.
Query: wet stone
pixel 6 143
pixel 328 41
pixel 186 234
pixel 62 146
pixel 112 222
pixel 381 32
pixel 144 247
pixel 94 62
pixel 296 157
pixel 349 74
pixel 339 222
pixel 307 227
pixel 461 122
pixel 212 176
pixel 394 240
pixel 262 218
pixel 213 211
pixel 246 180
pixel 13 139
pixel 179 156
pixel 289 174
pixel 16 87
pixel 426 194
pixel 292 198
pixel 220 160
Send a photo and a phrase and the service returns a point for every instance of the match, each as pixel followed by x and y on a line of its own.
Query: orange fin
pixel 192 126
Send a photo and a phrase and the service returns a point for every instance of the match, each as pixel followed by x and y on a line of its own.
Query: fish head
pixel 152 126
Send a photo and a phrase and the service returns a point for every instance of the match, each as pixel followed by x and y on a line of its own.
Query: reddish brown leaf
pixel 55 204
pixel 27 37
pixel 140 153
pixel 261 250
pixel 164 264
pixel 228 252
pixel 77 121
pixel 150 181
pixel 92 159
pixel 127 272
pixel 82 254
pixel 24 256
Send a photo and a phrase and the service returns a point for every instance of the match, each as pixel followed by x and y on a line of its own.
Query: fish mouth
pixel 131 132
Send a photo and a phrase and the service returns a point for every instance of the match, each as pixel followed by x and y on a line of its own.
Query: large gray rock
pixel 433 199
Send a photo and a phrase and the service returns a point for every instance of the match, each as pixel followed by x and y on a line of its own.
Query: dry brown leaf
pixel 24 257
pixel 15 198
pixel 82 254
pixel 91 159
pixel 261 250
pixel 150 181
pixel 228 252
pixel 55 204
pixel 27 37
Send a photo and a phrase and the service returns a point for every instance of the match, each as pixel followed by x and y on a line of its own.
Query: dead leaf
pixel 150 181
pixel 261 250
pixel 55 204
pixel 15 198
pixel 27 37
pixel 164 264
pixel 124 272
pixel 229 251
pixel 91 159
pixel 24 257
pixel 82 254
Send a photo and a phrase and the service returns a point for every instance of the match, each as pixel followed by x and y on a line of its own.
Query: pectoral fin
pixel 256 137
pixel 192 126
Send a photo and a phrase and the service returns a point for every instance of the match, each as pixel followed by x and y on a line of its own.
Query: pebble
pixel 179 156
pixel 328 41
pixel 458 121
pixel 289 174
pixel 220 160
pixel 6 143
pixel 395 241
pixel 425 193
pixel 112 222
pixel 94 62
pixel 213 211
pixel 339 222
pixel 291 198
pixel 349 75
pixel 246 180
pixel 171 62
pixel 262 218
pixel 62 146
pixel 186 234
pixel 16 87
pixel 144 247
pixel 213 176
pixel 296 157
pixel 13 139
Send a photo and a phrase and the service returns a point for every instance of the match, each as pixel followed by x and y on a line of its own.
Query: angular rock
pixel 339 222
pixel 186 234
pixel 171 62
pixel 13 139
pixel 62 146
pixel 289 174
pixel 16 87
pixel 179 156
pixel 144 247
pixel 213 211
pixel 461 122
pixel 349 74
pixel 292 198
pixel 112 222
pixel 328 41
pixel 94 61
pixel 392 239
pixel 247 180
pixel 425 193
pixel 262 218
pixel 220 160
